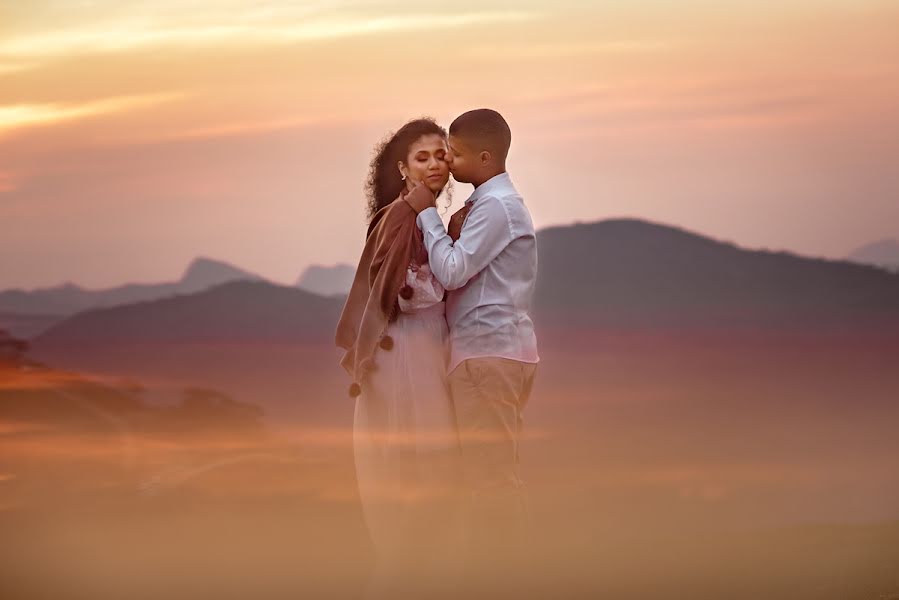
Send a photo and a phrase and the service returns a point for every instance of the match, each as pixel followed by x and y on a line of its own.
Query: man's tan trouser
pixel 489 395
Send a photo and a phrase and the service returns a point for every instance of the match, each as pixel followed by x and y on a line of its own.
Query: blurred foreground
pixel 657 467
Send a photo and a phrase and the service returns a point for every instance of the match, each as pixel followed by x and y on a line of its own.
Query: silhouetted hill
pixel 628 272
pixel 35 395
pixel 884 253
pixel 327 281
pixel 27 326
pixel 233 311
pixel 69 298
pixel 12 349
pixel 613 273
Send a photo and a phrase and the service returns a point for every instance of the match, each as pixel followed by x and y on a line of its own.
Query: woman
pixel 394 329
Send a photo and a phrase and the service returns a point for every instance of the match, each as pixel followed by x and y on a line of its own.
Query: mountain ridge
pixel 68 298
pixel 616 273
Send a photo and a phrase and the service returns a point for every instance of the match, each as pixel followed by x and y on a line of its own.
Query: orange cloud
pixel 17 116
pixel 14 67
pixel 226 29
pixel 563 48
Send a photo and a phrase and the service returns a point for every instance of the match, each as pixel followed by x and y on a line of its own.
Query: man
pixel 488 264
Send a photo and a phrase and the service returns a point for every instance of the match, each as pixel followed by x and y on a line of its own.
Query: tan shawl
pixel 392 242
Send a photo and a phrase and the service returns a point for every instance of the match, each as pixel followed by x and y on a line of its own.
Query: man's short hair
pixel 484 129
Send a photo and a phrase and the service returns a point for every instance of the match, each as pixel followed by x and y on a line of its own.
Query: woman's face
pixel 426 162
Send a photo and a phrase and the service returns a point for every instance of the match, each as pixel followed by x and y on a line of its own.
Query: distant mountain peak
pixel 204 272
pixel 629 225
pixel 327 280
pixel 881 253
pixel 884 244
pixel 631 232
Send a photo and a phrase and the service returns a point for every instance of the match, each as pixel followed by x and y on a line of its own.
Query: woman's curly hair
pixel 384 181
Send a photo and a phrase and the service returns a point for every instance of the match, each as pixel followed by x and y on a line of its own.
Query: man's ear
pixel 486 157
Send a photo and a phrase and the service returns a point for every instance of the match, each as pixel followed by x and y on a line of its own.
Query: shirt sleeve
pixel 485 234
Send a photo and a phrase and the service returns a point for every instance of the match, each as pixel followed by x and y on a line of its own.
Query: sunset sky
pixel 135 136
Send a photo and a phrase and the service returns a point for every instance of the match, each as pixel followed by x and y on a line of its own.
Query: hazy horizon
pixel 177 276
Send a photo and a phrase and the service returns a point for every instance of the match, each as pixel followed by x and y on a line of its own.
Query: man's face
pixel 461 159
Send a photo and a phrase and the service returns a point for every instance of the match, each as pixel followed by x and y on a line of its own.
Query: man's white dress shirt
pixel 489 273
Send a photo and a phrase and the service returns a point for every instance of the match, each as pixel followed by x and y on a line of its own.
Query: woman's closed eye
pixel 423 158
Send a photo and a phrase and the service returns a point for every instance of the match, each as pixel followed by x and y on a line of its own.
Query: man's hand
pixel 454 230
pixel 420 197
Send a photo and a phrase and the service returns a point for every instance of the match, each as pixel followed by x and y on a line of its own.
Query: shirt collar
pixel 492 184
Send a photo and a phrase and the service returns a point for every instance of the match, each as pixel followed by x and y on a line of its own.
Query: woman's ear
pixel 402 169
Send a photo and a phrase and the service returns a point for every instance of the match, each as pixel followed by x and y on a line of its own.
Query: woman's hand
pixel 420 197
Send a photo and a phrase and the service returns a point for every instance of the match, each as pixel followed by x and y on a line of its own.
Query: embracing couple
pixel 441 348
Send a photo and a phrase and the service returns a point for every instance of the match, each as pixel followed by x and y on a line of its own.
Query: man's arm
pixel 485 235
